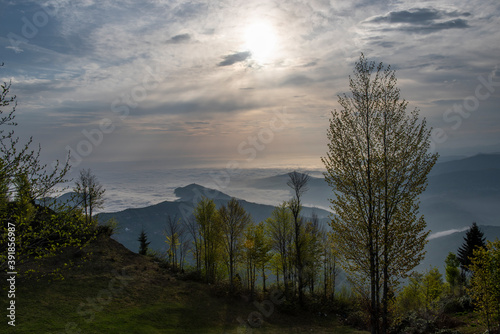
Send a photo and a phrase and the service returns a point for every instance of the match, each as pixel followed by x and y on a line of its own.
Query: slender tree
pixel 207 217
pixel 174 232
pixel 234 220
pixel 377 165
pixel 298 183
pixel 280 230
pixel 312 252
pixel 89 193
pixel 193 229
pixel 256 252
pixel 329 261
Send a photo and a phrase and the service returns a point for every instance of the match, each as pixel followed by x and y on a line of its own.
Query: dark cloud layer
pixel 235 58
pixel 422 20
pixel 182 38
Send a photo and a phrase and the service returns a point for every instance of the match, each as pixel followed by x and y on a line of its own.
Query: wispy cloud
pixel 446 233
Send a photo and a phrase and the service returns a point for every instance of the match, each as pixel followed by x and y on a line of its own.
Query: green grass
pixel 117 291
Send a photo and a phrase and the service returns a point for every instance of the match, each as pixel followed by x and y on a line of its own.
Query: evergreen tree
pixel 474 238
pixel 144 243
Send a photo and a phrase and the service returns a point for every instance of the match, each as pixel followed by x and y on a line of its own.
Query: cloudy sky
pixel 173 84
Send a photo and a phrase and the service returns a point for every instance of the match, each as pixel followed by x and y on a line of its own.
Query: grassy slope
pixel 118 291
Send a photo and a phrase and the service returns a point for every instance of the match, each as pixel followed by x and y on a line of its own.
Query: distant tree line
pixel 228 246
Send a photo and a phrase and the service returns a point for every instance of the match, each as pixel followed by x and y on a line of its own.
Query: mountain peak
pixel 195 191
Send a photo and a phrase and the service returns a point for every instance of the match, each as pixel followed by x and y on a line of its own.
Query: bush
pixel 413 323
pixel 191 275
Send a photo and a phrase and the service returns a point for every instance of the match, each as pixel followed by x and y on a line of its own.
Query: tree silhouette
pixel 144 243
pixel 298 183
pixel 473 239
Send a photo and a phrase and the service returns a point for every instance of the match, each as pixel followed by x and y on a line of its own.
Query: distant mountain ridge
pixel 153 218
pixel 460 192
pixel 477 162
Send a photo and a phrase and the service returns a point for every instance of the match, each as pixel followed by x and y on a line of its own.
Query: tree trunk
pixel 263 278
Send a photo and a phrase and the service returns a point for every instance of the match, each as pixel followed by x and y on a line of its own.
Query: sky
pixel 232 84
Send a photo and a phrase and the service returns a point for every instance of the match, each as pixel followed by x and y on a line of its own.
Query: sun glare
pixel 260 40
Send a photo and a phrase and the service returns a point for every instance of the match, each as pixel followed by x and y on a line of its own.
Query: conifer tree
pixel 474 238
pixel 144 243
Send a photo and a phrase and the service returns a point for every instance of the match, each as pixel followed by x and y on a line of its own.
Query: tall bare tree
pixel 89 193
pixel 298 183
pixel 377 165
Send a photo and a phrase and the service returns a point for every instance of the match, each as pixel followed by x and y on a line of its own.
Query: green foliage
pixel 38 231
pixel 234 219
pixel 280 230
pixel 108 228
pixel 421 294
pixel 411 298
pixel 432 284
pixel 452 272
pixel 377 165
pixel 256 252
pixel 209 230
pixel 485 282
pixel 42 232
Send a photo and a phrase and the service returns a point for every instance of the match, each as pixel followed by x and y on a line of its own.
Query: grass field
pixel 118 291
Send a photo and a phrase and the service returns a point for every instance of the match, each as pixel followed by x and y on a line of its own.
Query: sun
pixel 260 41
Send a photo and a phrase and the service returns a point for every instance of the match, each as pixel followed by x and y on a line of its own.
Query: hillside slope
pixel 110 289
